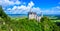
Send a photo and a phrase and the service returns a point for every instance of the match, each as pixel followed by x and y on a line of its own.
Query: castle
pixel 33 15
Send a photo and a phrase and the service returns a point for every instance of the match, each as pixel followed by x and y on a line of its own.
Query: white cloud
pixel 7 2
pixel 17 2
pixel 14 8
pixel 37 10
pixel 30 4
pixel 53 10
pixel 58 7
pixel 24 9
pixel 59 3
pixel 9 9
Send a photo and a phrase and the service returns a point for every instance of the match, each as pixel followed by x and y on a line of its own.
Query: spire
pixel 30 9
pixel 41 14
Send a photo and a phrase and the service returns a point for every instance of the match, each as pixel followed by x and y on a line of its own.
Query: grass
pixel 55 20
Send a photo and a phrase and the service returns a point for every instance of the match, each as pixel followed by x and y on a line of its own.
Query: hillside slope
pixel 3 15
pixel 26 25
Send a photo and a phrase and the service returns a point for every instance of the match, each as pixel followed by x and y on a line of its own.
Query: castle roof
pixel 31 12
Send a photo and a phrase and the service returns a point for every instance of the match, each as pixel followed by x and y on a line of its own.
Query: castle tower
pixel 31 15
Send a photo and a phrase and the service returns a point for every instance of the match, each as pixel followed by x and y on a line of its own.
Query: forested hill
pixel 25 24
pixel 4 15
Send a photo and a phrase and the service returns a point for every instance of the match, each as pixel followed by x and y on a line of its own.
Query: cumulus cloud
pixel 24 9
pixel 53 10
pixel 9 9
pixel 59 3
pixel 17 2
pixel 30 4
pixel 8 2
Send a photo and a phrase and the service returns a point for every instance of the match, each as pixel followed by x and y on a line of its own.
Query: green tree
pixel 4 16
pixel 47 25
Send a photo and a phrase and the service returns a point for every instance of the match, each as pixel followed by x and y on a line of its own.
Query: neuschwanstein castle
pixel 33 15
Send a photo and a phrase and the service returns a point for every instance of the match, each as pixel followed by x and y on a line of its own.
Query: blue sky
pixel 24 6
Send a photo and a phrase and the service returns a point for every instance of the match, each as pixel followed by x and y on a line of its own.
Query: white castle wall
pixel 32 16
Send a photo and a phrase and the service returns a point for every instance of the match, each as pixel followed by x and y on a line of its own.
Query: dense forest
pixel 17 24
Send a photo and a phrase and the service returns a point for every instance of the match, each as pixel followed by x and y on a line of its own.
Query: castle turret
pixel 41 14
